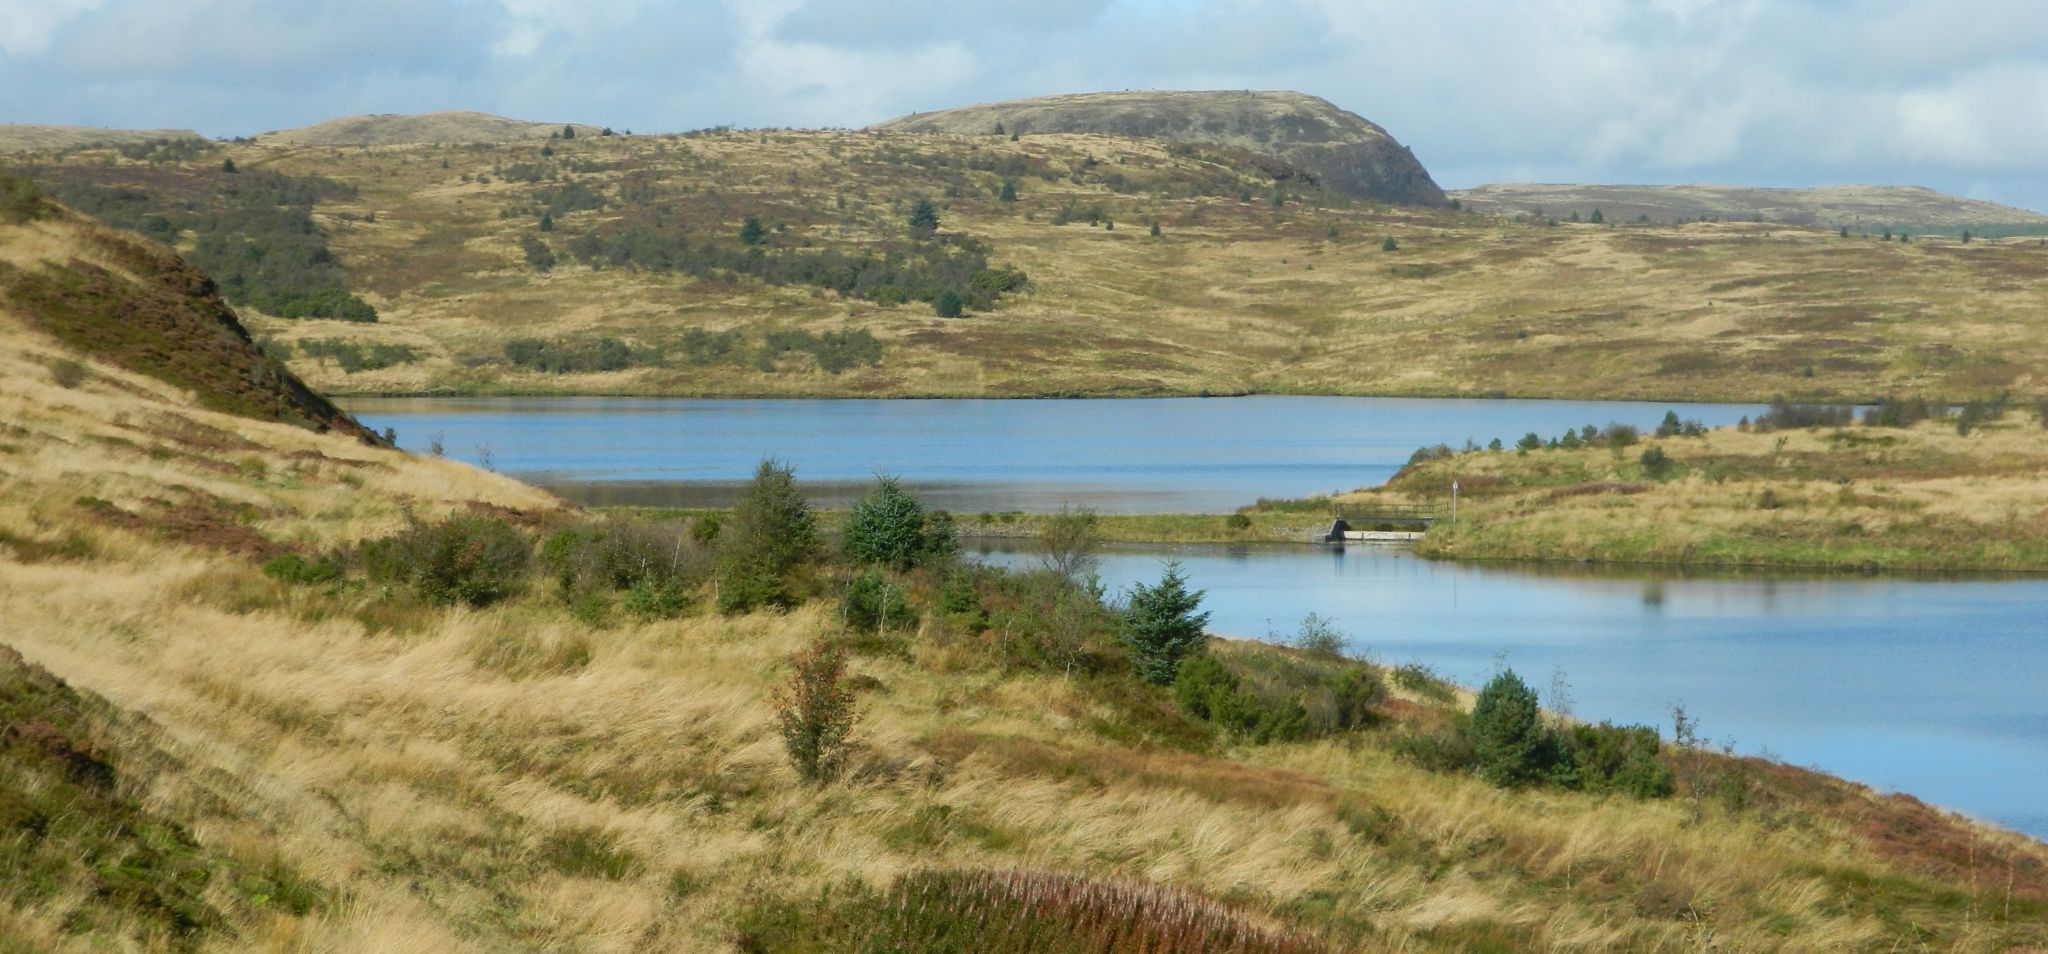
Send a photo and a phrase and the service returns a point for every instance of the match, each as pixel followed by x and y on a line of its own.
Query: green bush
pixel 871 602
pixel 1206 689
pixel 473 560
pixel 644 556
pixel 815 712
pixel 1439 750
pixel 1237 521
pixel 1611 758
pixel 295 569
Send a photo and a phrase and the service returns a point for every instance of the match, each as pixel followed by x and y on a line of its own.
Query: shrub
pixel 1507 733
pixel 1070 539
pixel 623 555
pixel 68 373
pixel 1319 635
pixel 947 305
pixel 20 199
pixel 1611 758
pixel 1785 416
pixel 1237 521
pixel 815 712
pixel 538 255
pixel 463 559
pixel 1161 626
pixel 871 601
pixel 1389 245
pixel 1439 750
pixel 889 527
pixel 295 569
pixel 1206 689
pixel 1656 463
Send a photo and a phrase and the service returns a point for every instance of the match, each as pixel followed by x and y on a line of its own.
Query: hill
pixel 624 264
pixel 384 129
pixel 269 689
pixel 22 137
pixel 137 305
pixel 1861 207
pixel 1342 151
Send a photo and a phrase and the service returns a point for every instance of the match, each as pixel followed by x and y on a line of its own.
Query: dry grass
pixel 1922 498
pixel 1234 296
pixel 632 795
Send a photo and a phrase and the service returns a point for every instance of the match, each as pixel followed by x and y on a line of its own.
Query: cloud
pixel 1775 92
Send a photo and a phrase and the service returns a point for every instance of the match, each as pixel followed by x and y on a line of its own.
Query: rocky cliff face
pixel 1345 152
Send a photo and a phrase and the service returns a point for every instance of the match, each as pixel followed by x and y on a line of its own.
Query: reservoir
pixel 1924 685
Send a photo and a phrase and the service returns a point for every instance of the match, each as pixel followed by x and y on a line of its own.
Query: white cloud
pixel 28 26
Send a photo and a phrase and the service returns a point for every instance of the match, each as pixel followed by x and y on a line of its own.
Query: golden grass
pixel 422 772
pixel 1232 297
pixel 1924 498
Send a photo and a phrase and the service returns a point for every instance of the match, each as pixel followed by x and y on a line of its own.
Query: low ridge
pixel 27 137
pixel 1852 206
pixel 385 129
pixel 1344 151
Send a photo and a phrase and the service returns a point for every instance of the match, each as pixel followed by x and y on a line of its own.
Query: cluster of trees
pixel 355 356
pixel 833 351
pixel 1886 412
pixel 252 231
pixel 1508 742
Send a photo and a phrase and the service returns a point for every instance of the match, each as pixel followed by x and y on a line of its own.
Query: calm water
pixel 1932 687
pixel 1203 455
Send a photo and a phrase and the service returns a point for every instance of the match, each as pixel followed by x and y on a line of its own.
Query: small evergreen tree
pixel 1162 628
pixel 947 304
pixel 770 531
pixel 1596 218
pixel 752 232
pixel 1009 193
pixel 227 165
pixel 547 222
pixel 924 218
pixel 999 127
pixel 1155 229
pixel 1389 245
pixel 889 527
pixel 1507 733
pixel 568 132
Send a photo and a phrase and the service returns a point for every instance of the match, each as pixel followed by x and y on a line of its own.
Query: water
pixel 1926 686
pixel 1169 455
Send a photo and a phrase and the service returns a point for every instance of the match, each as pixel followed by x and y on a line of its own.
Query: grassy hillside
pixel 235 726
pixel 1859 208
pixel 1843 494
pixel 644 270
pixel 28 137
pixel 443 127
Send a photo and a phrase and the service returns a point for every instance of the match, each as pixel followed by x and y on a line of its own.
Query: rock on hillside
pixel 1344 151
pixel 135 304
pixel 1831 207
pixel 22 137
pixel 391 129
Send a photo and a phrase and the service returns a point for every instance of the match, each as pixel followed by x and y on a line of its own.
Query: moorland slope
pixel 1862 208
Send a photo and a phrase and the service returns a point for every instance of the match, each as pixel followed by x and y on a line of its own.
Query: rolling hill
pixel 391 129
pixel 1863 207
pixel 1344 152
pixel 21 137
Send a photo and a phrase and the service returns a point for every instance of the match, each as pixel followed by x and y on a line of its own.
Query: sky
pixel 1952 95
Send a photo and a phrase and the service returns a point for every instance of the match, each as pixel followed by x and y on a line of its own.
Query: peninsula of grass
pixel 1802 487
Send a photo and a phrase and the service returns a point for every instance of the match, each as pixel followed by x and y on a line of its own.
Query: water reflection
pixel 1922 684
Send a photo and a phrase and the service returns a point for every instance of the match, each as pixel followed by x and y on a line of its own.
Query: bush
pixel 870 602
pixel 538 255
pixel 1070 539
pixel 1162 628
pixel 1611 758
pixel 1237 521
pixel 1439 750
pixel 889 527
pixel 1785 416
pixel 655 563
pixel 68 373
pixel 815 712
pixel 1507 732
pixel 295 569
pixel 1320 636
pixel 463 559
pixel 1206 689
pixel 1656 463
pixel 20 199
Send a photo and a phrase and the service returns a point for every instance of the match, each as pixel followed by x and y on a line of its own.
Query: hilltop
pixel 384 129
pixel 23 137
pixel 1858 207
pixel 1342 151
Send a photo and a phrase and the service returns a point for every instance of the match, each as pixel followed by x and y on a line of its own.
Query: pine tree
pixel 770 531
pixel 751 232
pixel 1162 628
pixel 1009 193
pixel 889 527
pixel 1507 733
pixel 924 218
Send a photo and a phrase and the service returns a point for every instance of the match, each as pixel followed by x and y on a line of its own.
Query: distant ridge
pixel 384 129
pixel 1854 206
pixel 28 137
pixel 1346 152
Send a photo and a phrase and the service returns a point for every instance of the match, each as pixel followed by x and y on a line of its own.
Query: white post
pixel 1454 501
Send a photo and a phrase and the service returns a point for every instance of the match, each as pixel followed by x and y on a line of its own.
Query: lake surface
pixel 1927 686
pixel 1169 455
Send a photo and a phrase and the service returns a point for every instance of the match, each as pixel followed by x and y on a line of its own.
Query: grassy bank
pixel 1844 496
